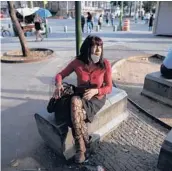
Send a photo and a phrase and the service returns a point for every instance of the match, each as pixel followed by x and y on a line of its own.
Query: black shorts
pixel 37 26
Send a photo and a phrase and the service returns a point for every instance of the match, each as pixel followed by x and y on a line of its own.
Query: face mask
pixel 95 58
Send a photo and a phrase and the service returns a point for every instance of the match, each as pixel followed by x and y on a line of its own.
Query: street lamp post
pixel 121 16
pixel 78 26
pixel 67 9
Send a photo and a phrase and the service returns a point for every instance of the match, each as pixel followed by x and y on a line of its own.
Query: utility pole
pixel 135 4
pixel 78 26
pixel 121 16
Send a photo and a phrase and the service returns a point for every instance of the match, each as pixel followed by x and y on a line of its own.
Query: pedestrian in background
pixel 107 18
pixel 38 22
pixel 112 18
pixel 136 17
pixel 100 21
pixel 82 23
pixel 89 22
pixel 151 22
pixel 147 18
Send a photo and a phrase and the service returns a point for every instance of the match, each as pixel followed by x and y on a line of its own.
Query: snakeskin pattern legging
pixel 78 117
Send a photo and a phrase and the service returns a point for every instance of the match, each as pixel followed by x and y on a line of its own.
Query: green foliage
pixel 149 6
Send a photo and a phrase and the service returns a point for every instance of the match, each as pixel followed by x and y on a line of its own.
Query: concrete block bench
pixel 165 156
pixel 59 137
pixel 158 88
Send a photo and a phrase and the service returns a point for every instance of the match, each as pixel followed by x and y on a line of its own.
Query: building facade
pixel 163 24
pixel 64 8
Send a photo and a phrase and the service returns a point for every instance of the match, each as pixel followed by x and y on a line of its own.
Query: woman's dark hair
pixel 85 51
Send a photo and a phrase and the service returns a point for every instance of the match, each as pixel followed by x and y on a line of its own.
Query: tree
pixel 130 7
pixel 19 30
pixel 119 3
pixel 149 5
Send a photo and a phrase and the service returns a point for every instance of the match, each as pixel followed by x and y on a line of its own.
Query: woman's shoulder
pixel 106 61
pixel 76 61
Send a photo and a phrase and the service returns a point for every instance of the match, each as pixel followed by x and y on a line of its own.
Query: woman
pixel 93 72
pixel 107 18
pixel 89 22
pixel 38 21
pixel 166 67
pixel 151 22
pixel 100 21
pixel 82 23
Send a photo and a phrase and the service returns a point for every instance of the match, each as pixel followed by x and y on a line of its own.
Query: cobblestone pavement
pixel 133 146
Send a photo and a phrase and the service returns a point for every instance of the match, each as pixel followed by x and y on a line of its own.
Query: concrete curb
pixel 28 60
pixel 122 61
pixel 114 70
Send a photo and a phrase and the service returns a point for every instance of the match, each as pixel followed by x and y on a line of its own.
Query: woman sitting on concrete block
pixel 93 72
pixel 166 67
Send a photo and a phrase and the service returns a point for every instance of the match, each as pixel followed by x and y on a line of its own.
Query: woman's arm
pixel 65 72
pixel 107 80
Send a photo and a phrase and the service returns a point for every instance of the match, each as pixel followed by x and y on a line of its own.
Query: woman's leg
pixel 40 35
pixel 87 26
pixel 36 33
pixel 80 132
pixel 90 26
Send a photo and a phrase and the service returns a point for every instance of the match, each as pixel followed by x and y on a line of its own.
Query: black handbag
pixel 69 90
pixel 54 103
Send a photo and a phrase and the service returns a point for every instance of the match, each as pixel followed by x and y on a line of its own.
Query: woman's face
pixel 96 50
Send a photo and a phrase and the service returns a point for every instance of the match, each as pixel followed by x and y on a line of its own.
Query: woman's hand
pixel 58 90
pixel 90 93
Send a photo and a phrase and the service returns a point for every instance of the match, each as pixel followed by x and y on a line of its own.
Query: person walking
pixel 151 23
pixel 107 18
pixel 112 18
pixel 100 21
pixel 37 22
pixel 136 17
pixel 89 22
pixel 82 23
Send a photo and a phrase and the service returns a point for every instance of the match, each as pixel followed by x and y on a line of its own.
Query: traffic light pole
pixel 78 26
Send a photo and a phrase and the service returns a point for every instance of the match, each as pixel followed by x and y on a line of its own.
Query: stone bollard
pixel 65 29
pixel 97 28
pixel 115 28
pixel 50 29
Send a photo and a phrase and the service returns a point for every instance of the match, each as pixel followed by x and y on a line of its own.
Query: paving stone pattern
pixel 134 146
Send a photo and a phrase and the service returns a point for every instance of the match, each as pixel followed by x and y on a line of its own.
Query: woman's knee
pixel 76 101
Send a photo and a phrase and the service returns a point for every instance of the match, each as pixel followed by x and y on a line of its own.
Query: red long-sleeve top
pixel 102 78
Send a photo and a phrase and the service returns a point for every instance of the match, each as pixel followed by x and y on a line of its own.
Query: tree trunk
pixel 15 21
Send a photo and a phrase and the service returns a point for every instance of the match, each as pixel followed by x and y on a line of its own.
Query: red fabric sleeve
pixel 65 72
pixel 107 80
